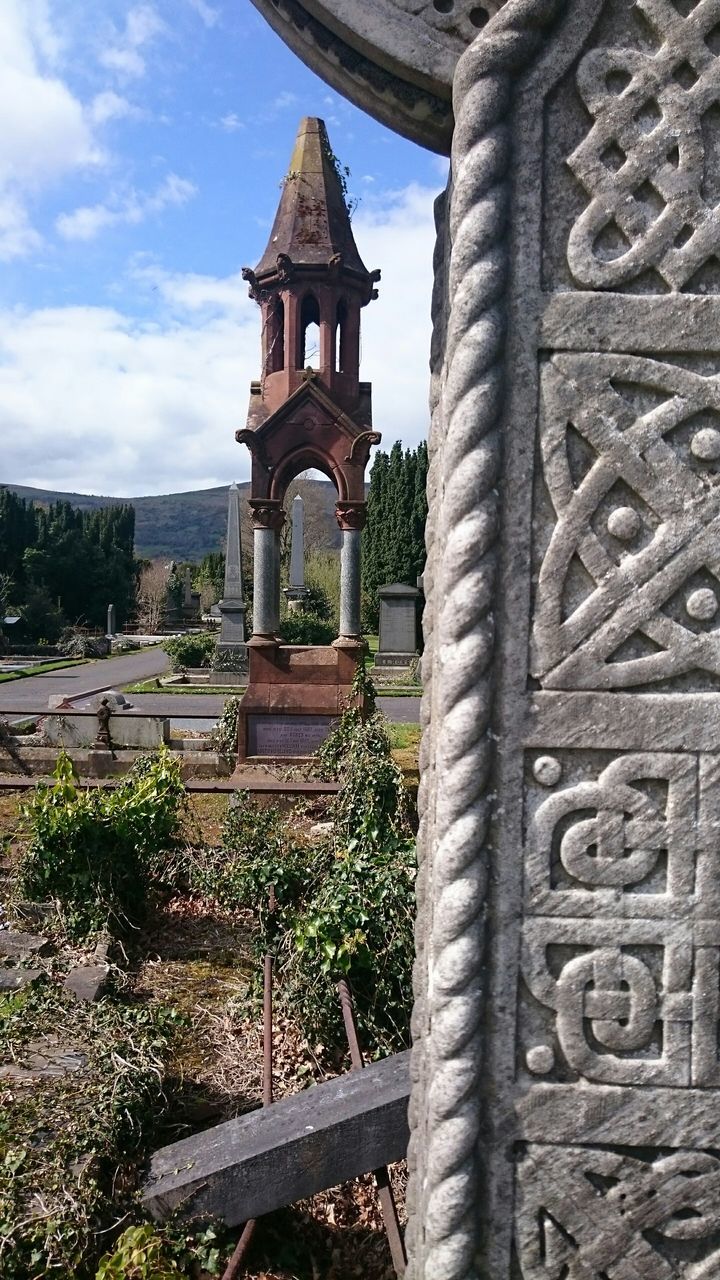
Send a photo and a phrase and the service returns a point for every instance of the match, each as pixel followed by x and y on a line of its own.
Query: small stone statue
pixel 102 741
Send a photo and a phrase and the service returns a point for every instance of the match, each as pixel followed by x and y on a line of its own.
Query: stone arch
pixel 304 459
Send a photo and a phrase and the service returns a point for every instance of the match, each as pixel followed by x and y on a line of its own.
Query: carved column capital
pixel 351 515
pixel 267 513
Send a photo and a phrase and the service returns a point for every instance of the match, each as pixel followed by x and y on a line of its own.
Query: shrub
pixel 191 650
pixel 345 905
pixel 306 628
pixel 95 851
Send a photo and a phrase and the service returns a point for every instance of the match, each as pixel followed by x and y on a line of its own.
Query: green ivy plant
pixel 94 852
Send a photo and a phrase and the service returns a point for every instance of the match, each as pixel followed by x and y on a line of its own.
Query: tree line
pixel 393 541
pixel 61 567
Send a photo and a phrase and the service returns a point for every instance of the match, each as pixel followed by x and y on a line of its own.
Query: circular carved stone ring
pixel 394 58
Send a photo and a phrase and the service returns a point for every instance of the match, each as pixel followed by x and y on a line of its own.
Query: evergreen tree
pixel 394 536
pixel 67 564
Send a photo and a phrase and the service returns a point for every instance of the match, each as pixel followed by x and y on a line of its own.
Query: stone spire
pixel 232 606
pixel 312 225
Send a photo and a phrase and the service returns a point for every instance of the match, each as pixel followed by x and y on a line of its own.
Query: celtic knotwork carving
pixel 623 940
pixel 627 588
pixel 623 1006
pixel 588 1212
pixel 623 844
pixel 643 164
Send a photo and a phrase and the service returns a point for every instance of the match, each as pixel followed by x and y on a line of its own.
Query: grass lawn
pixel 154 686
pixel 42 668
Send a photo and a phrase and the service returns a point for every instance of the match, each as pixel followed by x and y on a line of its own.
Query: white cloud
pixel 94 400
pixel 45 133
pixel 111 106
pixel 43 129
pixel 125 56
pixel 205 11
pixel 283 101
pixel 88 221
pixel 17 236
pixel 231 122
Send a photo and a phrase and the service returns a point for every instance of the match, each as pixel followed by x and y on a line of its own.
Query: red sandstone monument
pixel 311 274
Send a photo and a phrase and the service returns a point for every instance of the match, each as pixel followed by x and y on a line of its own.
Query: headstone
pixel 397 645
pixel 232 606
pixel 296 593
pixel 566 1064
pixel 111 622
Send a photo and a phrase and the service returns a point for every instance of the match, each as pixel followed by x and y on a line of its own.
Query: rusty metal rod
pixel 232 1271
pixel 388 1208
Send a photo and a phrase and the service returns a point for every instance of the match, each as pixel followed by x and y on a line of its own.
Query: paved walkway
pixel 32 693
pixel 79 683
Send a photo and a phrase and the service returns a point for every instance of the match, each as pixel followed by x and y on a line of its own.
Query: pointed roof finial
pixel 312 224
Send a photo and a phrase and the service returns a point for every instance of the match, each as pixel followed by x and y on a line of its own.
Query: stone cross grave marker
pixel 565 1110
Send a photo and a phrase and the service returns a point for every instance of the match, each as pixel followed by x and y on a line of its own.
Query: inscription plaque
pixel 285 735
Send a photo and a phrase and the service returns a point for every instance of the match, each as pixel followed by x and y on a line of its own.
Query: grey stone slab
pixel 18 979
pixel 126 730
pixel 287 1151
pixel 44 1059
pixel 87 981
pixel 21 946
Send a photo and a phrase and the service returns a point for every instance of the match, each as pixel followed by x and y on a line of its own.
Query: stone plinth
pixel 70 730
pixel 398 625
pixel 295 694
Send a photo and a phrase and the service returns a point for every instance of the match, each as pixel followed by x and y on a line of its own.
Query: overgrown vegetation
pixel 306 628
pixel 94 852
pixel 344 902
pixel 195 649
pixel 70 1140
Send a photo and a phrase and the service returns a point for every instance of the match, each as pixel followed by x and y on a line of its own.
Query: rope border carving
pixel 445 1109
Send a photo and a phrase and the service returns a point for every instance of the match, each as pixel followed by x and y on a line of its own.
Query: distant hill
pixel 186 526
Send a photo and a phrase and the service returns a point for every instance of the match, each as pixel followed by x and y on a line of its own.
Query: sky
pixel 141 150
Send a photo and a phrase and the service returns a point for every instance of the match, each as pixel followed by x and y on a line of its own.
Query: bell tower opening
pixel 309 345
pixel 341 337
pixel 275 361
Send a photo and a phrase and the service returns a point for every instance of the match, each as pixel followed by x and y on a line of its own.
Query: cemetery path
pixel 32 694
pixel 179 705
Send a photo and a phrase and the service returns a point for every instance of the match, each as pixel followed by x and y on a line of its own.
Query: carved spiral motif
pixel 464 554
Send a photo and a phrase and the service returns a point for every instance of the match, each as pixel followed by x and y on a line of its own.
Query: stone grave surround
pixel 565 1112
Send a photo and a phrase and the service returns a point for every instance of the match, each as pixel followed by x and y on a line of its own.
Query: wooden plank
pixel 292 1149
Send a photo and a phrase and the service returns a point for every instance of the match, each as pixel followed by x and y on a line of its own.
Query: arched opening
pixel 309 344
pixel 341 337
pixel 275 360
pixel 310 546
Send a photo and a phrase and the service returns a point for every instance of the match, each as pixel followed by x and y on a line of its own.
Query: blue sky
pixel 141 148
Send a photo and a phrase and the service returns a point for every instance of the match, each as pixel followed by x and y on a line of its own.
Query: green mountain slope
pixel 185 526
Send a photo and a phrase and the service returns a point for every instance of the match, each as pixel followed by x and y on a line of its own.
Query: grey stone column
pixel 268 518
pixel 351 518
pixel 350 583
